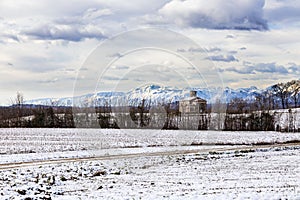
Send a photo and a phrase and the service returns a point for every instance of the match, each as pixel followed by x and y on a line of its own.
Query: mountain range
pixel 153 94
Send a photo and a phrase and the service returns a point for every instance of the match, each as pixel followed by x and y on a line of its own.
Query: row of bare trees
pixel 278 96
pixel 22 115
pixel 288 93
pixel 260 113
pixel 142 115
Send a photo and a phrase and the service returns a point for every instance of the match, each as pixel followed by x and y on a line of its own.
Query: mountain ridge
pixel 153 94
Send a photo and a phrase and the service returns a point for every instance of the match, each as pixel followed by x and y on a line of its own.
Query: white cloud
pixel 216 14
pixel 42 43
pixel 283 13
pixel 260 68
pixel 226 58
pixel 65 32
pixel 94 13
pixel 119 67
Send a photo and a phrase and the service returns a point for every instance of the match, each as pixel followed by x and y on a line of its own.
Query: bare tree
pixel 237 105
pixel 19 100
pixel 281 90
pixel 294 90
pixel 264 101
pixel 18 103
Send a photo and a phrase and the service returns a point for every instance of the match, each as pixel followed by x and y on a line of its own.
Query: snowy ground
pixel 148 164
pixel 267 173
pixel 15 141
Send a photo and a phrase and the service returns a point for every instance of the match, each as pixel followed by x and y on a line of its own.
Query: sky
pixel 49 46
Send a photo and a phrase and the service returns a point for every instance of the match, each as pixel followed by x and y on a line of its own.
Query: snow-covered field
pixel 269 173
pixel 14 141
pixel 148 164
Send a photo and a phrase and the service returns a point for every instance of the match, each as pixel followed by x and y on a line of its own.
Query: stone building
pixel 192 104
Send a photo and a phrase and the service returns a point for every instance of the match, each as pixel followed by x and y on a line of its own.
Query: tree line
pixel 278 96
pixel 35 116
pixel 267 108
pixel 31 116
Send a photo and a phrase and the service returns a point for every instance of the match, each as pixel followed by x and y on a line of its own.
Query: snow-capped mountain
pixel 153 94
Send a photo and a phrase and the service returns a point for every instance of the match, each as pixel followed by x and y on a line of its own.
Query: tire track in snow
pixel 145 154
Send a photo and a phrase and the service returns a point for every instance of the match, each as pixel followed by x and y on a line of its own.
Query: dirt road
pixel 145 154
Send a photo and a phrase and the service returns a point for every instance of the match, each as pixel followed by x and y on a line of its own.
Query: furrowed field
pixel 148 164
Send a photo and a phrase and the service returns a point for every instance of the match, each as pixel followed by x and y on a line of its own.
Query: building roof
pixel 194 99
